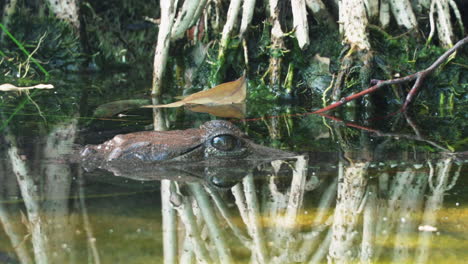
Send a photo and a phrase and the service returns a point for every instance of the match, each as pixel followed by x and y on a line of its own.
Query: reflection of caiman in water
pixel 217 151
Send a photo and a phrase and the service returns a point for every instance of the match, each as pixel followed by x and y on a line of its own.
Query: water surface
pixel 370 189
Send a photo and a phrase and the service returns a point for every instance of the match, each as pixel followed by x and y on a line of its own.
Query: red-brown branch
pixel 419 76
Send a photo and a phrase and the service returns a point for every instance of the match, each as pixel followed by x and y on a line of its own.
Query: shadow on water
pixel 312 191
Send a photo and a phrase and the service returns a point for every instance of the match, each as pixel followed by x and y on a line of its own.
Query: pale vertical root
pixel 159 120
pixel 30 195
pixel 458 16
pixel 398 188
pixel 9 216
pixel 201 7
pixel 277 44
pixel 384 13
pixel 169 217
pixel 320 12
pixel 372 8
pixel 369 222
pixel 274 206
pixel 14 234
pixel 187 252
pixel 349 201
pixel 288 229
pixel 320 223
pixel 216 25
pixel 233 12
pixel 192 233
pixel 212 223
pixel 259 246
pixel 169 223
pixel 271 207
pixel 403 14
pixel 184 18
pixel 247 14
pixel 224 211
pixel 86 223
pixel 301 26
pixel 57 180
pixel 311 240
pixel 321 252
pixel 411 203
pixel 246 54
pixel 439 186
pixel 66 10
pixel 353 23
pixel 326 201
pixel 444 25
pixel 296 193
pixel 239 197
pixel 431 22
pixel 8 11
pixel 162 47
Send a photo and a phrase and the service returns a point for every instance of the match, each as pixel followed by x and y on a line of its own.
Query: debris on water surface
pixel 427 228
pixel 7 87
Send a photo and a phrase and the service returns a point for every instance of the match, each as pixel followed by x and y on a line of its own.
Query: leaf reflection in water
pixel 228 110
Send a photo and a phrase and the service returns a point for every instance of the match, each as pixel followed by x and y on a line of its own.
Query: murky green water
pixel 380 190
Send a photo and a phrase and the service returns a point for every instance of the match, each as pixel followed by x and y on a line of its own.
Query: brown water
pixel 395 192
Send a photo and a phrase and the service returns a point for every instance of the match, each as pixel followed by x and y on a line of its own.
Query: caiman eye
pixel 224 142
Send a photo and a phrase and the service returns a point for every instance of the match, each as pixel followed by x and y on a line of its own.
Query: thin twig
pixel 21 47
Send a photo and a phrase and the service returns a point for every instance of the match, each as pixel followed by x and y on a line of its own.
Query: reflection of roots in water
pixel 47 219
pixel 267 223
pixel 360 229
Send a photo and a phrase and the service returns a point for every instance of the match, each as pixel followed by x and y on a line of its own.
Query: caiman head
pixel 217 152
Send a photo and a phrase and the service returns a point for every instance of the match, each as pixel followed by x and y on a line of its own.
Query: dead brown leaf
pixel 225 93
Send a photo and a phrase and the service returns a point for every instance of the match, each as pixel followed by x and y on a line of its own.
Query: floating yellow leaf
pixel 225 93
